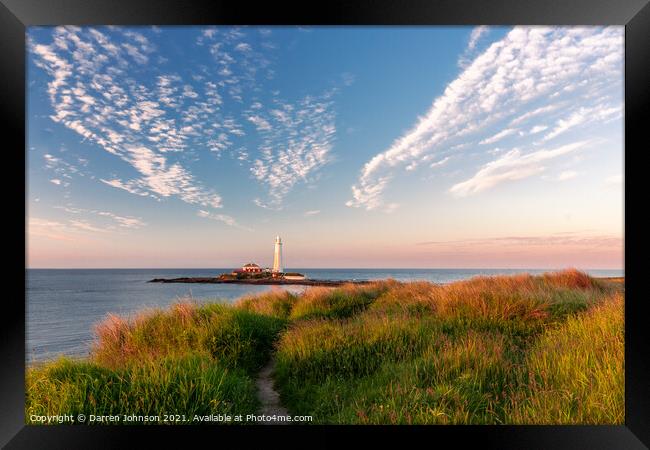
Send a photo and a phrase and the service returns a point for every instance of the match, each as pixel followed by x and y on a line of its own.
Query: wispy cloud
pixel 599 113
pixel 64 170
pixel 228 220
pixel 81 223
pixel 92 93
pixel 49 229
pixel 115 221
pixel 474 38
pixel 497 137
pixel 511 166
pixel 153 125
pixel 261 123
pixel 164 179
pixel 124 221
pixel 614 180
pixel 476 35
pixel 567 175
pixel 312 213
pixel 348 78
pixel 86 226
pixel 440 163
pixel 240 63
pixel 528 75
pixel 587 241
pixel 129 186
pixel 296 143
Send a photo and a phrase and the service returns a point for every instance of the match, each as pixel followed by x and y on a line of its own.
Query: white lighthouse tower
pixel 277 256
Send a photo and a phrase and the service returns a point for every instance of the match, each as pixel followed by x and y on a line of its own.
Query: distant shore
pixel 305 282
pixel 612 279
pixel 259 281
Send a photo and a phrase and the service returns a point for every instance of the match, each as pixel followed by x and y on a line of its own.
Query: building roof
pixel 251 265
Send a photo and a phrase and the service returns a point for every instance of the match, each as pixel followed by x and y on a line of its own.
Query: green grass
pixel 490 350
pixel 188 385
pixel 186 360
pixel 575 373
pixel 472 352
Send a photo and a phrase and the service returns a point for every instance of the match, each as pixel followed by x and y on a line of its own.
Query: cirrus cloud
pixel 532 74
pixel 512 166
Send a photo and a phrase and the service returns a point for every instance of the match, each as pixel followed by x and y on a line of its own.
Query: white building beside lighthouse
pixel 277 256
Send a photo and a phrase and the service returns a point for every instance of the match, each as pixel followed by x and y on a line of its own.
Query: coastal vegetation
pixel 189 360
pixel 244 276
pixel 490 350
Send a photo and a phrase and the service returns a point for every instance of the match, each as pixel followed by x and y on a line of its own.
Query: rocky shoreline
pixel 259 281
pixel 280 281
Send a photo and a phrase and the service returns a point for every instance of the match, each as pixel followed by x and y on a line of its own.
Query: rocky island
pixel 261 281
pixel 251 273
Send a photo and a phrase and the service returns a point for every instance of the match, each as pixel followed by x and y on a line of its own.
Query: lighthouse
pixel 277 256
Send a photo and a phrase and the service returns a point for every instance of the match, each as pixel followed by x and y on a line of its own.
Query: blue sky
pixel 361 146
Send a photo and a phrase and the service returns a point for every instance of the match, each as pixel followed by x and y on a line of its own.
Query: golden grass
pixel 489 350
pixel 460 350
pixel 576 373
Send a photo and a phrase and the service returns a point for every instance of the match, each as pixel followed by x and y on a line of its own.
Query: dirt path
pixel 268 396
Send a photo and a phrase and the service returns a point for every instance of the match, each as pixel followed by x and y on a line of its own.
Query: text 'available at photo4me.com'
pixel 166 418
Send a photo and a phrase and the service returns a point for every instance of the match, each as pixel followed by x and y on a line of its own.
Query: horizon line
pixel 324 268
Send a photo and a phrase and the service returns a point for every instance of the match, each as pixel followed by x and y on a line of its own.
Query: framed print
pixel 393 220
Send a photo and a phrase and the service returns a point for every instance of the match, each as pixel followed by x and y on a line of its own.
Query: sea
pixel 63 305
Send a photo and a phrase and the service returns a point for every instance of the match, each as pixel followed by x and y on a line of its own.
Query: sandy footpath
pixel 268 396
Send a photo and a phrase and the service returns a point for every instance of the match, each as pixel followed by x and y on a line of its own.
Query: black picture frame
pixel 16 15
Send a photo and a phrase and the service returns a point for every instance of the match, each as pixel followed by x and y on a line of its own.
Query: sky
pixel 393 147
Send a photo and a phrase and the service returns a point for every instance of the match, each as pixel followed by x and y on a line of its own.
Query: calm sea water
pixel 63 305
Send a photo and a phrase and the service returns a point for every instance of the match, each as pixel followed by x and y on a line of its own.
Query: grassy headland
pixel 516 349
pixel 187 360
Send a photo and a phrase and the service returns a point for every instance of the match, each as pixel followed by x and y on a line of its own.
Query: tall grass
pixel 424 353
pixel 187 360
pixel 342 302
pixel 234 337
pixel 575 373
pixel 275 303
pixel 316 348
pixel 490 350
pixel 172 385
